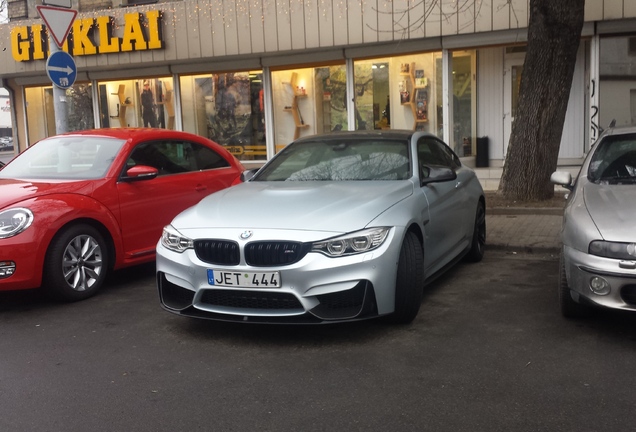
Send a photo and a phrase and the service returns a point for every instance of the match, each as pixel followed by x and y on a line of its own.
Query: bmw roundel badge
pixel 246 234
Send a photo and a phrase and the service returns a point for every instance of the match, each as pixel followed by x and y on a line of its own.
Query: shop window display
pixel 144 102
pixel 396 92
pixel 228 109
pixel 308 101
pixel 41 111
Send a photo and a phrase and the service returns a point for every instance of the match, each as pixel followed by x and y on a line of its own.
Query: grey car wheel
pixel 76 263
pixel 478 244
pixel 569 308
pixel 409 287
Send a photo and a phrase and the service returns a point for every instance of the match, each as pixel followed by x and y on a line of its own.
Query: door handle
pixel 458 184
pixel 200 187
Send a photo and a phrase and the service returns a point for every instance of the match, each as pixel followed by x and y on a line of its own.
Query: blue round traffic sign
pixel 61 69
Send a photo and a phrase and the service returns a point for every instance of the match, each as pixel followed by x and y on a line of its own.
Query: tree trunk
pixel 554 33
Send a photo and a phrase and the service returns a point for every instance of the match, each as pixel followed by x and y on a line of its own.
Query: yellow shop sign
pixel 141 32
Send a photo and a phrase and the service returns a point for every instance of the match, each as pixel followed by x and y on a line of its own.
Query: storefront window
pixel 463 133
pixel 308 101
pixel 137 103
pixel 41 111
pixel 395 93
pixel 228 109
pixel 617 86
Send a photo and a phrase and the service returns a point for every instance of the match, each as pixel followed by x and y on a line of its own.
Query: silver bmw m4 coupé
pixel 337 227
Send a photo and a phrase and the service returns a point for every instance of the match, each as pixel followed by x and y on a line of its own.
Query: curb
pixel 536 250
pixel 498 211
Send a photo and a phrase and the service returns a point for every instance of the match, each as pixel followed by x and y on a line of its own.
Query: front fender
pixel 52 212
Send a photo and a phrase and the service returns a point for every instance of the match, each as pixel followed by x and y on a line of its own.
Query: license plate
pixel 244 279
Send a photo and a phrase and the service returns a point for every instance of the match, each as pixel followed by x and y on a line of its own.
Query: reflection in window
pixel 147 102
pixel 41 111
pixel 308 101
pixel 175 157
pixel 228 109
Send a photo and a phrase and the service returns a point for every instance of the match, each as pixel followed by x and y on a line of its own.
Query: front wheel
pixel 76 263
pixel 409 284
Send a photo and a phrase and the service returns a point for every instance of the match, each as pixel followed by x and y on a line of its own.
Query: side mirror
pixel 429 174
pixel 562 178
pixel 248 174
pixel 141 172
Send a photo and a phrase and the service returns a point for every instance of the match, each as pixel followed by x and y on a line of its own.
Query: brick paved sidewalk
pixel 524 232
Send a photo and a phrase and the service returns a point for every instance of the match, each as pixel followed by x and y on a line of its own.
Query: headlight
pixel 173 240
pixel 353 243
pixel 14 221
pixel 626 251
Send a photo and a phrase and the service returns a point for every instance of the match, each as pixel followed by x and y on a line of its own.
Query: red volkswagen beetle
pixel 75 206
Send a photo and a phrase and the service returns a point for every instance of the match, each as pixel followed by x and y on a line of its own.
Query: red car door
pixel 187 173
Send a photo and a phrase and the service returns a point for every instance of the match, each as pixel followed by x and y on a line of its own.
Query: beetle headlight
pixel 625 251
pixel 352 243
pixel 173 240
pixel 14 221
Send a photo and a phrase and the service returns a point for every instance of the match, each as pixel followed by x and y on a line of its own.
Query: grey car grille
pixel 217 251
pixel 257 254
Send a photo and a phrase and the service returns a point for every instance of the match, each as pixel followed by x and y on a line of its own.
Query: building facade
pixel 254 75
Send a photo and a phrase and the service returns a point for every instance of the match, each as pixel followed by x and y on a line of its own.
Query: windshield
pixel 65 158
pixel 614 161
pixel 340 160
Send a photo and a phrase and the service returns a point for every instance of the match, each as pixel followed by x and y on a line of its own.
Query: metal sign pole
pixel 59 100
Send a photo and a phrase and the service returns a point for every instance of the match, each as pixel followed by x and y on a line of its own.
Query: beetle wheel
pixel 76 263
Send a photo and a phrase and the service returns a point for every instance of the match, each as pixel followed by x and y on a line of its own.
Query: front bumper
pixel 313 290
pixel 20 263
pixel 581 267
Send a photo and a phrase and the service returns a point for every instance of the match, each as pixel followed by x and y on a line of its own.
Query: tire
pixel 569 308
pixel 409 284
pixel 478 243
pixel 71 279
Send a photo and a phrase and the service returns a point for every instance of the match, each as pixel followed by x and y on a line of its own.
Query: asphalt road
pixel 488 352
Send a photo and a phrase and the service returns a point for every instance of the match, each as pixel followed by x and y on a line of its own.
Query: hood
pixel 613 210
pixel 14 191
pixel 316 206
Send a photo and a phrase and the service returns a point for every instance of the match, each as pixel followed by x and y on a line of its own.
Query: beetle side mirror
pixel 140 172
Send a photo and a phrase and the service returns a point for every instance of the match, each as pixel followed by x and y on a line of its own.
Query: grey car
pixel 337 227
pixel 598 258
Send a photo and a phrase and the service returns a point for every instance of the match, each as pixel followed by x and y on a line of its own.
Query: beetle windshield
pixel 340 160
pixel 65 158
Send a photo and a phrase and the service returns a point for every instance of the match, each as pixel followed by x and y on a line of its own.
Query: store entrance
pixel 512 83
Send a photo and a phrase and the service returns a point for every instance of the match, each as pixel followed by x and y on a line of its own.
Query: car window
pixel 340 160
pixel 431 152
pixel 65 157
pixel 175 157
pixel 614 160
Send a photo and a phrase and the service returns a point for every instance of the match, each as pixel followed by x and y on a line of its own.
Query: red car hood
pixel 14 191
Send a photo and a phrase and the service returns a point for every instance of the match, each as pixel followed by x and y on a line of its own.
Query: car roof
pixel 134 133
pixel 620 130
pixel 393 134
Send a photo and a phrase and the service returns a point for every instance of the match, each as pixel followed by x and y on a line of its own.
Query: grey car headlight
pixel 626 251
pixel 14 221
pixel 174 240
pixel 352 243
